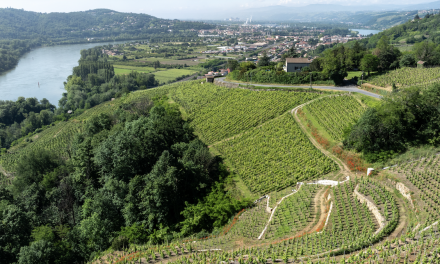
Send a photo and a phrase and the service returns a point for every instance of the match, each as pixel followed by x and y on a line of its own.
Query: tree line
pixel 19 118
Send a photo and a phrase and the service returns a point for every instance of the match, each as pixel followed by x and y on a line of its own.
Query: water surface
pixel 366 32
pixel 41 72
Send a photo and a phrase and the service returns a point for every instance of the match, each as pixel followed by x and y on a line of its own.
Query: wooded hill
pixel 99 23
pixel 417 29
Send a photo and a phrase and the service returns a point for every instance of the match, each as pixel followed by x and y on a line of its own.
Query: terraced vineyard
pixel 350 220
pixel 275 155
pixel 423 176
pixel 405 77
pixel 294 213
pixel 335 113
pixel 252 222
pixel 218 113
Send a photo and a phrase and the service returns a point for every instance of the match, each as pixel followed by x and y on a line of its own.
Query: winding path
pixel 351 88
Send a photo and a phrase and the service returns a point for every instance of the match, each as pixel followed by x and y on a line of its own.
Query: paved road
pixel 350 88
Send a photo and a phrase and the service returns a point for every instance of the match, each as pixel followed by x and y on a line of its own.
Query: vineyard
pixel 424 176
pixel 352 227
pixel 252 221
pixel 294 213
pixel 335 113
pixel 275 156
pixel 218 113
pixel 405 77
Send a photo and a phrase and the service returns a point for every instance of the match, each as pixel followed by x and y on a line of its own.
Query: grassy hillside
pixel 412 31
pixel 334 114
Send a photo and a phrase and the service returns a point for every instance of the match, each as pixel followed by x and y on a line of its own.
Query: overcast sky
pixel 177 8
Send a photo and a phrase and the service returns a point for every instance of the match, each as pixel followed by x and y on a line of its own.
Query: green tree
pixel 369 63
pixel 40 251
pixel 264 60
pixel 232 64
pixel 14 233
pixel 32 167
pixel 427 51
pixel 407 60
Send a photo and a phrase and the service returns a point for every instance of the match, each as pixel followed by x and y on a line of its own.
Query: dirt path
pixel 342 166
pixel 319 200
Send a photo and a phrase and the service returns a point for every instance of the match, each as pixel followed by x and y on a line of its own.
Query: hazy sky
pixel 177 8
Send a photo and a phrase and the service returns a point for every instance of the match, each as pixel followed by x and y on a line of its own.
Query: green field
pixel 171 75
pixel 352 74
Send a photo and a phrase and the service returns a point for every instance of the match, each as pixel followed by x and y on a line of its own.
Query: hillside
pixel 276 145
pixel 413 31
pixel 99 23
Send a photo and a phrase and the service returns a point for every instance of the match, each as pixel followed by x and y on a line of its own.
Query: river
pixel 366 32
pixel 46 66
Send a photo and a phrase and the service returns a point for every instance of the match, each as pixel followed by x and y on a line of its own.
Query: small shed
pixel 420 64
pixel 209 78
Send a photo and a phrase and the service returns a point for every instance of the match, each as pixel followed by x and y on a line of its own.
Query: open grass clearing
pixel 171 75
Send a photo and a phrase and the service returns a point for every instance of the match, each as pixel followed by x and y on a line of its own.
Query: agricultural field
pixel 351 227
pixel 295 213
pixel 124 69
pixel 275 155
pixel 422 178
pixel 252 221
pixel 406 77
pixel 218 113
pixel 172 74
pixel 335 113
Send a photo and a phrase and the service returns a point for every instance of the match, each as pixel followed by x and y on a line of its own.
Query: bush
pixel 120 243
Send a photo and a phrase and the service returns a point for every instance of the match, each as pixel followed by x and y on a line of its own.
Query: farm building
pixel 296 64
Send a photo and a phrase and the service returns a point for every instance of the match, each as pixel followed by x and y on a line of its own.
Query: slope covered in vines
pixel 275 155
pixel 217 113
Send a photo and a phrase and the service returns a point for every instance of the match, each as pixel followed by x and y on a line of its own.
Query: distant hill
pixel 98 23
pixel 412 32
pixel 377 16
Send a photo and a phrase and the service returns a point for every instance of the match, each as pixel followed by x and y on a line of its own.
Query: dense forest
pixel 61 211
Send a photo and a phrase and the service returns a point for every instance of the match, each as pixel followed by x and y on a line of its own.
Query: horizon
pixel 187 9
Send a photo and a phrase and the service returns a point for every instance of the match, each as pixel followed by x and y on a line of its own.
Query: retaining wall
pixel 373 208
pixel 405 192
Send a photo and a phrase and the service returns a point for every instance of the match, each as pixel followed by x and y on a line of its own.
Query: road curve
pixel 342 88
